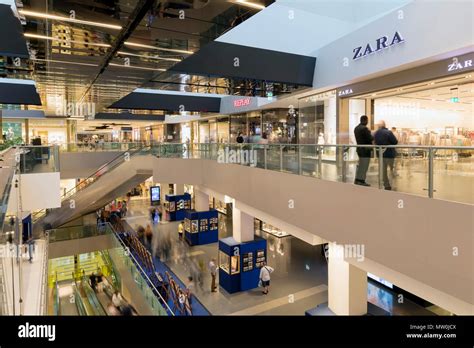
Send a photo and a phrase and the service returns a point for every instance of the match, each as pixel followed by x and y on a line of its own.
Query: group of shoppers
pixel 382 137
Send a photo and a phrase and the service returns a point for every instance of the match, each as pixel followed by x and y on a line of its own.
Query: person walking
pixel 363 137
pixel 148 235
pixel 180 231
pixel 213 271
pixel 240 138
pixel 265 272
pixel 384 136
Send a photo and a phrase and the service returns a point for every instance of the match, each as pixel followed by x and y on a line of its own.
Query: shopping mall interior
pixel 176 158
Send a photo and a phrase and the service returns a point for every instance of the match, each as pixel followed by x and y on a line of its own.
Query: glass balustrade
pixel 105 146
pixel 437 172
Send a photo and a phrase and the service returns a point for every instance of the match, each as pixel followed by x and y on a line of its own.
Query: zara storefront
pixel 403 69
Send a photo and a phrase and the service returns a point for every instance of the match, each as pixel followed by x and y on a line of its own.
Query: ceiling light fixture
pixel 67 19
pixel 134 44
pixel 43 37
pixel 150 57
pixel 136 67
pixel 63 62
pixel 250 4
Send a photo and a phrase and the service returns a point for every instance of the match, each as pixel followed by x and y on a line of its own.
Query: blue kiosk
pixel 240 263
pixel 201 227
pixel 176 206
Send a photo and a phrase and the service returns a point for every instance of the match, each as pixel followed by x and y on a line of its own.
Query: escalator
pixel 89 298
pixel 112 180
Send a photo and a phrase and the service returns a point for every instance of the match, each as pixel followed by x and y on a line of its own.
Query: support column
pixel 178 189
pixel 242 226
pixel 347 284
pixel 201 200
pixel 164 190
pixel 27 131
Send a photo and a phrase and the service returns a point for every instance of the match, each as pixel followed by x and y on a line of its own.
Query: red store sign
pixel 238 103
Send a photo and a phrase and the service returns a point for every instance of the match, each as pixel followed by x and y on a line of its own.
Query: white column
pixel 164 190
pixel 347 284
pixel 201 200
pixel 242 225
pixel 178 189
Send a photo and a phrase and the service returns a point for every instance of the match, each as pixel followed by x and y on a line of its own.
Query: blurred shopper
pixel 117 300
pixel 363 137
pixel 265 272
pixel 124 209
pixel 180 231
pixel 112 310
pixel 190 288
pixel 196 274
pixel 240 138
pixel 93 281
pixel 213 271
pixel 384 136
pixel 141 234
pixel 264 139
pixel 148 235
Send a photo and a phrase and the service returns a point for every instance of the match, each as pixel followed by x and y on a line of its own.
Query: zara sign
pixel 379 44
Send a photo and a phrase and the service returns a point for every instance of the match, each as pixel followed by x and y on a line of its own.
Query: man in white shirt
pixel 213 270
pixel 265 272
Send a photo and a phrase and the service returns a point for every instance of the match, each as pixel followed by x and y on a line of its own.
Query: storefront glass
pixel 255 126
pixel 238 124
pixel 317 119
pixel 280 125
pixel 223 130
pixel 204 135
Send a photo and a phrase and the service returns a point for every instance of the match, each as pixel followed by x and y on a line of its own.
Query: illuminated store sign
pixel 457 65
pixel 345 92
pixel 241 102
pixel 380 44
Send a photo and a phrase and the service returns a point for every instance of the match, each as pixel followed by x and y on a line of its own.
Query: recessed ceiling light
pixel 63 62
pixel 134 44
pixel 250 4
pixel 136 67
pixel 148 56
pixel 68 19
pixel 50 38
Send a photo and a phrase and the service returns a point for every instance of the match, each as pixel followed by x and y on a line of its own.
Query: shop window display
pixel 229 264
pixel 280 125
pixel 238 124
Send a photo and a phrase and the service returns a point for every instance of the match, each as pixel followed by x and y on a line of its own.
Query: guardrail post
pixel 430 172
pixel 265 156
pixel 281 158
pixel 380 167
pixel 344 158
pixel 300 169
pixel 320 161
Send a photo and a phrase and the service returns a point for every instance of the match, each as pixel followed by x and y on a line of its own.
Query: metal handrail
pixel 143 273
pixel 94 176
pixel 44 281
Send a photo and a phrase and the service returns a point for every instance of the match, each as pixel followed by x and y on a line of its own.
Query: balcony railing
pixel 437 172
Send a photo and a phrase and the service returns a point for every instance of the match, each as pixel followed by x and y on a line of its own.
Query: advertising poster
pixel 155 195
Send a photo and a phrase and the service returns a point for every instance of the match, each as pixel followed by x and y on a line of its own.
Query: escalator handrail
pixel 142 272
pixel 84 184
pixel 92 297
pixel 81 309
pixel 119 159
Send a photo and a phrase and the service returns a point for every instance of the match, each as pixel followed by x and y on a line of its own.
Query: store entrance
pixel 437 114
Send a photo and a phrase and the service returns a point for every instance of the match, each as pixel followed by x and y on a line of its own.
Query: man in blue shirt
pixel 384 136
